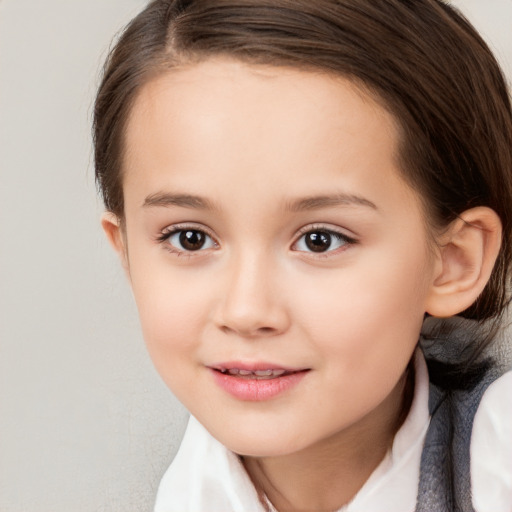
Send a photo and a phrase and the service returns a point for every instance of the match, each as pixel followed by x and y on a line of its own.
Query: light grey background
pixel 85 422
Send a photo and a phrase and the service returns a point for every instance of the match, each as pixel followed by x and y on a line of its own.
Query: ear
pixel 112 227
pixel 466 255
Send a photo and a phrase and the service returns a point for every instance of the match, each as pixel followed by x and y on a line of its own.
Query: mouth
pixel 256 382
pixel 270 373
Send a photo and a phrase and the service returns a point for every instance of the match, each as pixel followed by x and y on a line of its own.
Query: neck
pixel 328 474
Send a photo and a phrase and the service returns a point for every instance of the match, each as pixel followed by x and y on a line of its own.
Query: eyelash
pixel 346 240
pixel 164 237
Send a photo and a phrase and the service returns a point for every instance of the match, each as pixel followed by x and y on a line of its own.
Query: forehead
pixel 221 120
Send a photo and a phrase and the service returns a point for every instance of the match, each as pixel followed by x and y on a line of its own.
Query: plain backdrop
pixel 85 422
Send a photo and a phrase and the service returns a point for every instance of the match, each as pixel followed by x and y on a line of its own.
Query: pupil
pixel 318 241
pixel 192 240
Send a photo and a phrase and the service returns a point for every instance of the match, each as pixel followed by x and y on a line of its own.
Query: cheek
pixel 171 307
pixel 365 324
pixel 170 317
pixel 373 307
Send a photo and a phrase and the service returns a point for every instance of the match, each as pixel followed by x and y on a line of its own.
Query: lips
pixel 256 382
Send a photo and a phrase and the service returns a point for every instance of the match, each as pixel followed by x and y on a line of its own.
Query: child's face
pixel 267 228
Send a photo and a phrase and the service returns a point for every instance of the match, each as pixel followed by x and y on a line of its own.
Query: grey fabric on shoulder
pixel 445 480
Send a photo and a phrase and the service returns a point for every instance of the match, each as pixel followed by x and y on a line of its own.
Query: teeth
pixel 263 373
pixel 256 373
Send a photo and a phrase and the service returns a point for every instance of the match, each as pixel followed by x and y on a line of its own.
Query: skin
pixel 256 143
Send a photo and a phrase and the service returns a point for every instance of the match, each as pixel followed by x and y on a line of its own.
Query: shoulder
pixel 491 448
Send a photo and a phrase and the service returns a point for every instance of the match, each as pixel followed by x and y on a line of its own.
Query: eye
pixel 322 240
pixel 188 240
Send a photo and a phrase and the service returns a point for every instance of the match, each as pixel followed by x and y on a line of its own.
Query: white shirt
pixel 206 477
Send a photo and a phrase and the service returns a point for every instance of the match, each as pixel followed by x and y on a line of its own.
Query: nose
pixel 252 304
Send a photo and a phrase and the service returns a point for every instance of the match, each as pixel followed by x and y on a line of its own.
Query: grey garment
pixel 445 480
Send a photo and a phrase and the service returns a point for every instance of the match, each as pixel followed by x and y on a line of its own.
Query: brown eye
pixel 322 240
pixel 189 240
pixel 318 241
pixel 192 240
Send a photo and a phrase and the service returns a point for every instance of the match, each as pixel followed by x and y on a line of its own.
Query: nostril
pixel 266 330
pixel 226 330
pixel 259 331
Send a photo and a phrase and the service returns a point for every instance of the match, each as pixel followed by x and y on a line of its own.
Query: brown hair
pixel 425 62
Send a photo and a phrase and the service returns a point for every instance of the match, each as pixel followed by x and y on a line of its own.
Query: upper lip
pixel 254 366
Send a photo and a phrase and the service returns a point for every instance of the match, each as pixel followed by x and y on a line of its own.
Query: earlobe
pixel 466 255
pixel 111 225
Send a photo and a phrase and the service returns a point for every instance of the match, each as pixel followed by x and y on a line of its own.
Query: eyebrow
pixel 317 202
pixel 166 200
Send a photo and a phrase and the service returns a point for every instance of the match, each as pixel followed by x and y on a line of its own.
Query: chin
pixel 264 443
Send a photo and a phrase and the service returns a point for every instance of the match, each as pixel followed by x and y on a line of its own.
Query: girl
pixel 297 190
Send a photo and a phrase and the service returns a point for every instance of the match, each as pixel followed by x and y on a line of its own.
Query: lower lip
pixel 256 390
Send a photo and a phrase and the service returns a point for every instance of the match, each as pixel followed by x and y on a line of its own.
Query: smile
pixel 256 384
